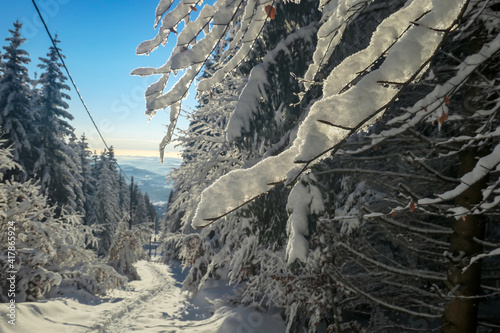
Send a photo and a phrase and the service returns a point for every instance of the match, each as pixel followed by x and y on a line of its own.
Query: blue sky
pixel 99 38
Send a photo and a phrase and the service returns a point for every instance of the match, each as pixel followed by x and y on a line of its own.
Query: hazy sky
pixel 99 38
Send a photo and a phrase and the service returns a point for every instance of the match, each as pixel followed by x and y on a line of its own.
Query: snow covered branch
pixel 354 108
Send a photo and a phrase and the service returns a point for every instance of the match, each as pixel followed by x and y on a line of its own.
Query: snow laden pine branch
pixel 405 49
pixel 354 93
pixel 435 107
pixel 213 23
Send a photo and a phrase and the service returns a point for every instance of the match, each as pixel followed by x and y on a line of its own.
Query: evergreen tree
pixel 141 213
pixel 151 210
pixel 109 212
pixel 435 212
pixel 51 257
pixel 56 167
pixel 362 252
pixel 78 187
pixel 89 183
pixel 126 248
pixel 139 206
pixel 17 117
pixel 124 192
pixel 132 202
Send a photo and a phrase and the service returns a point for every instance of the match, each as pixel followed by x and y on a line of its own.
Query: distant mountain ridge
pixel 151 176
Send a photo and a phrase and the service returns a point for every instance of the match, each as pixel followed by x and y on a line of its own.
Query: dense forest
pixel 70 220
pixel 343 162
pixel 341 168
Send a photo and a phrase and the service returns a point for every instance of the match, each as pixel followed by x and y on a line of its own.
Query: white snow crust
pixel 304 200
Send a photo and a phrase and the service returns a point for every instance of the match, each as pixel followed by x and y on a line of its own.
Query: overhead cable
pixel 73 83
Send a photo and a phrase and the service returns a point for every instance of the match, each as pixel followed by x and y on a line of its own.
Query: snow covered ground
pixel 154 304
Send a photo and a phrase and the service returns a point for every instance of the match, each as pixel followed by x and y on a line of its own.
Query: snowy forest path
pixel 159 305
pixel 154 304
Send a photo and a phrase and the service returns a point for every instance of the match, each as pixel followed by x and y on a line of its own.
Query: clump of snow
pixel 349 215
pixel 330 33
pixel 244 45
pixel 495 252
pixel 459 212
pixel 255 87
pixel 482 168
pixel 304 200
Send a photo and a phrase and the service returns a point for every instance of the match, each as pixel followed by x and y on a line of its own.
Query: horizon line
pixel 143 153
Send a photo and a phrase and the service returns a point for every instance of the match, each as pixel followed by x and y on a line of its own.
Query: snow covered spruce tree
pixel 17 117
pixel 345 85
pixel 125 249
pixel 440 183
pixel 50 250
pixel 249 18
pixel 74 154
pixel 59 217
pixel 113 206
pixel 89 182
pixel 109 211
pixel 152 215
pixel 206 157
pixel 138 207
pixel 56 166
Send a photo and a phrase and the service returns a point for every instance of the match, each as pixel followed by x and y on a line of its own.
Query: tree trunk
pixel 149 254
pixel 461 313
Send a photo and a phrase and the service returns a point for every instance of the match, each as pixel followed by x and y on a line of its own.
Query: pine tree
pixel 78 188
pixel 151 210
pixel 17 117
pixel 89 183
pixel 56 167
pixel 418 208
pixel 124 192
pixel 109 212
pixel 358 255
pixel 139 209
pixel 51 256
pixel 142 211
pixel 132 206
pixel 126 248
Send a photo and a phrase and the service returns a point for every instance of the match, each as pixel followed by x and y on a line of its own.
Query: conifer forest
pixel 340 173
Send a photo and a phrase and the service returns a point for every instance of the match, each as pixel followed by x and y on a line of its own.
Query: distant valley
pixel 151 176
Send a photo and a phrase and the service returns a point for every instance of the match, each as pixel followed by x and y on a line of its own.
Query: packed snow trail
pixel 156 303
pixel 158 297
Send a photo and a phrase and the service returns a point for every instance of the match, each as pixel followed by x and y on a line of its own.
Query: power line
pixel 73 83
